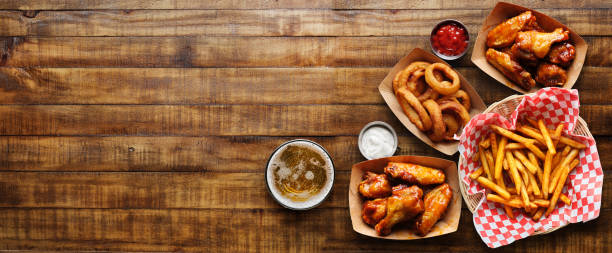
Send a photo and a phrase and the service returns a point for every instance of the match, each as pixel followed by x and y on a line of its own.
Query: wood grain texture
pixel 246 85
pixel 231 51
pixel 284 4
pixel 251 230
pixel 245 154
pixel 319 22
pixel 225 120
pixel 167 190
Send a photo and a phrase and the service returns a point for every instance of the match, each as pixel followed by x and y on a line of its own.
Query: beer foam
pixel 284 172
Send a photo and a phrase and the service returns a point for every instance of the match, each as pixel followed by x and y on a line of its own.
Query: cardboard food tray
pixel 386 90
pixel 501 13
pixel 447 224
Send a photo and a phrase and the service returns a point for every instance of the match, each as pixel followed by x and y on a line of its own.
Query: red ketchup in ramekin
pixel 450 38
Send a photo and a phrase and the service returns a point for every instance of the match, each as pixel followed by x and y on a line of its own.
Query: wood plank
pixel 245 154
pixel 246 85
pixel 284 4
pixel 209 154
pixel 258 230
pixel 309 22
pixel 230 51
pixel 226 120
pixel 168 190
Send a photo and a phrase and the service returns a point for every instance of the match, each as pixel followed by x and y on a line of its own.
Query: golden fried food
pixel 401 78
pixel 504 34
pixel 452 125
pixel 374 211
pixel 458 109
pixel 510 68
pixel 562 54
pixel 524 57
pixel 442 87
pixel 403 205
pixel 414 174
pixel 436 202
pixel 535 181
pixel 438 129
pixel 551 75
pixel 375 186
pixel 539 43
pixel 460 97
pixel 414 109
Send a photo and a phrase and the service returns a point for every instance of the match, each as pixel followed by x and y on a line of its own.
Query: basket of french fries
pixel 529 166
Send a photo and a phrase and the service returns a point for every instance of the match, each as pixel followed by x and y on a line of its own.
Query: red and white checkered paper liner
pixel 553 105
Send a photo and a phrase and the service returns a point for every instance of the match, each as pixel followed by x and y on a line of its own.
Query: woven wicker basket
pixel 505 107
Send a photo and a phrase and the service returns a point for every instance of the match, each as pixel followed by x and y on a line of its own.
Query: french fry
pixel 571 143
pixel 573 164
pixel 505 164
pixel 515 145
pixel 565 199
pixel 558 189
pixel 536 151
pixel 476 173
pixel 533 133
pixel 523 172
pixel 516 178
pixel 542 202
pixel 565 151
pixel 509 211
pixel 490 160
pixel 546 174
pixel 510 135
pixel 534 185
pixel 557 133
pixel 484 142
pixel 493 141
pixel 500 157
pixel 558 171
pixel 516 203
pixel 532 122
pixel 534 160
pixel 484 163
pixel 538 214
pixel 525 197
pixel 492 186
pixel 532 168
pixel 512 191
pixel 546 136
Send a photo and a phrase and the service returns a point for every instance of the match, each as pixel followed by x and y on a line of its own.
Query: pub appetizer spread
pixel 397 196
pixel 526 168
pixel 430 95
pixel 526 54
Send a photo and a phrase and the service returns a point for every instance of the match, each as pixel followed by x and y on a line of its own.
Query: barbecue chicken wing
pixel 504 34
pixel 375 186
pixel 414 174
pixel 562 54
pixel 510 68
pixel 404 204
pixel 551 75
pixel 374 211
pixel 539 43
pixel 436 202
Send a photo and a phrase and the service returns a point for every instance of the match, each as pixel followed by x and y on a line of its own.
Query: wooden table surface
pixel 146 125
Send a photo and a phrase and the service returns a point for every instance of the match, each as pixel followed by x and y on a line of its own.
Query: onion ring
pixel 413 109
pixel 413 81
pixel 444 87
pixel 402 79
pixel 428 94
pixel 438 130
pixel 456 108
pixel 451 126
pixel 460 97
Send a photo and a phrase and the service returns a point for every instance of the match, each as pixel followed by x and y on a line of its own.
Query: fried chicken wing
pixel 415 174
pixel 551 75
pixel 562 54
pixel 436 202
pixel 539 43
pixel 504 34
pixel 374 211
pixel 375 186
pixel 404 204
pixel 510 68
pixel 524 57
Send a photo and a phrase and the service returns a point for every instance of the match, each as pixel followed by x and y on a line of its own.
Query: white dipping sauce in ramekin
pixel 377 140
